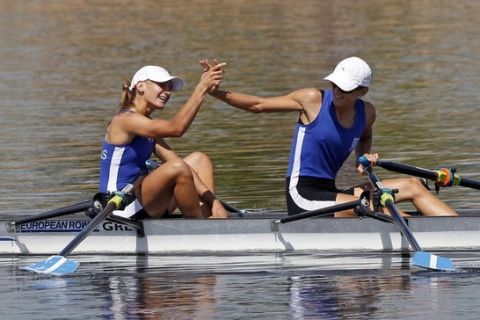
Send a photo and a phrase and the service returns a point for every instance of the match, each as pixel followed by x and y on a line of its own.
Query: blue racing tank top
pixel 320 148
pixel 122 164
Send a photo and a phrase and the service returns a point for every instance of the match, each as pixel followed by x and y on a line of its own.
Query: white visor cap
pixel 156 74
pixel 351 73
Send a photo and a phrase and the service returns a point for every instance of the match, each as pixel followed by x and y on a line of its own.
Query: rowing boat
pixel 107 233
pixel 243 233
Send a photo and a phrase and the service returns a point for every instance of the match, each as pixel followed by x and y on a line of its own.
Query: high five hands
pixel 213 70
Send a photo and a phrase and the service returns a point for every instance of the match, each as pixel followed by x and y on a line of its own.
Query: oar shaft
pixel 88 229
pixel 470 183
pixel 81 206
pixel 322 211
pixel 420 259
pixel 406 169
pixel 424 173
pixel 404 229
pixel 112 204
pixel 394 211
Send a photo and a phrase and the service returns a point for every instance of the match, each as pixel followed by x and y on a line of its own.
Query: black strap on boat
pixel 365 212
pixel 75 208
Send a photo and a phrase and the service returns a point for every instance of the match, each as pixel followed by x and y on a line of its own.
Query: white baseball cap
pixel 157 74
pixel 351 73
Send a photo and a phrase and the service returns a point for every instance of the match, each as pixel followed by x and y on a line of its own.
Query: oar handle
pixel 364 161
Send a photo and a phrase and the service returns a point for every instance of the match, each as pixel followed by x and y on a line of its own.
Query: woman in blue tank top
pixel 332 123
pixel 132 136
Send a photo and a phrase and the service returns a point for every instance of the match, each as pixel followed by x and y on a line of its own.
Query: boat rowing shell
pixel 247 234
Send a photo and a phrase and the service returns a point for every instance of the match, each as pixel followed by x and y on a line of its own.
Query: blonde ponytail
pixel 126 99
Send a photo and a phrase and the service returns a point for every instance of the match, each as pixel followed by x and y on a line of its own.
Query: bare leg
pixel 202 164
pixel 341 198
pixel 172 180
pixel 203 167
pixel 411 189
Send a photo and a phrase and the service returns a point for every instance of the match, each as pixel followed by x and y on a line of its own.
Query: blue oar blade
pixel 55 265
pixel 431 261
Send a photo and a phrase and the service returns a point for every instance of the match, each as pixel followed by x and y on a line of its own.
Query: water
pixel 62 65
pixel 268 286
pixel 61 68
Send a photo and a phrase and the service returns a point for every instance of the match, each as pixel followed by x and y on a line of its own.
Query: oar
pixel 420 258
pixel 324 211
pixel 74 208
pixel 443 176
pixel 59 265
pixel 362 206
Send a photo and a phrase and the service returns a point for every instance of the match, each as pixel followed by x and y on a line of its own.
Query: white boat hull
pixel 242 235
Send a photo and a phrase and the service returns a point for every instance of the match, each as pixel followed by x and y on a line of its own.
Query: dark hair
pixel 126 99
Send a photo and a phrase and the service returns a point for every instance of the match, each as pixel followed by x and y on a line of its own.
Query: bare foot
pixel 218 211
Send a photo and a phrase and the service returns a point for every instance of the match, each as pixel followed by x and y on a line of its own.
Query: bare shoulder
pixel 307 94
pixel 308 97
pixel 310 100
pixel 125 118
pixel 117 131
pixel 127 123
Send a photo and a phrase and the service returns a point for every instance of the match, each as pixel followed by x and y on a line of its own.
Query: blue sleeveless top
pixel 320 148
pixel 122 164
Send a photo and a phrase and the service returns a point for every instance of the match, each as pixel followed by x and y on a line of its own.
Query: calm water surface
pixel 61 68
pixel 268 286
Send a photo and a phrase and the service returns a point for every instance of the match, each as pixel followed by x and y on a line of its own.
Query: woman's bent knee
pixel 416 185
pixel 198 159
pixel 177 168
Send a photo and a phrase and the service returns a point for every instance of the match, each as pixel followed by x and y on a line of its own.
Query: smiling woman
pixel 332 123
pixel 132 136
pixel 151 75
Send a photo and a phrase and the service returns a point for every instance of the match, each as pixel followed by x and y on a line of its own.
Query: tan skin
pixel 308 102
pixel 184 183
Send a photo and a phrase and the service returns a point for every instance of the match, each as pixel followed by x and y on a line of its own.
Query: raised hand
pixel 216 71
